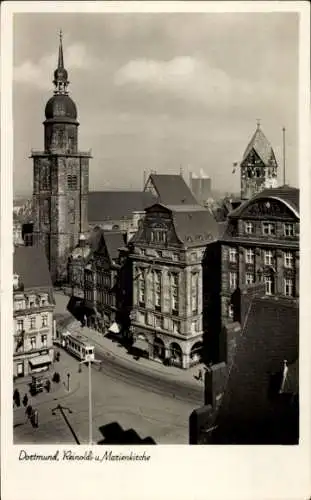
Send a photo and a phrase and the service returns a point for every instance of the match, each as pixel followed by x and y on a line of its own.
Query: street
pixel 160 417
pixel 124 398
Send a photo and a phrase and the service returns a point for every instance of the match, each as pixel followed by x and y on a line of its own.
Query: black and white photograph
pixel 156 272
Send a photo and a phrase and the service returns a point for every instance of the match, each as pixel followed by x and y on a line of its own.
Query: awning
pixel 114 328
pixel 141 344
pixel 40 360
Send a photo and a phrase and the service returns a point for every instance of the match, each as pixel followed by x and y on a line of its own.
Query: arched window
pixel 71 211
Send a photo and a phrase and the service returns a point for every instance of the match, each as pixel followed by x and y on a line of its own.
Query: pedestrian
pixel 35 417
pixel 200 376
pixel 17 398
pixel 48 385
pixel 25 400
pixel 28 412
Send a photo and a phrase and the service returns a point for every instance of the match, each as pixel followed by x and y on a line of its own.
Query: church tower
pixel 60 178
pixel 258 166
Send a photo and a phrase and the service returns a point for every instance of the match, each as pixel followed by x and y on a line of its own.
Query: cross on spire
pixel 258 123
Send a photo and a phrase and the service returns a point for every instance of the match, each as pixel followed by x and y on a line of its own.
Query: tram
pixel 78 345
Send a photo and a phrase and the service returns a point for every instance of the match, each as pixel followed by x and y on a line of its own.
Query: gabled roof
pixel 114 241
pixel 286 194
pixel 260 144
pixel 269 336
pixel 113 205
pixel 30 263
pixel 172 189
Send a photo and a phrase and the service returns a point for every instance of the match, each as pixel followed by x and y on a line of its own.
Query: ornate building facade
pixel 167 254
pixel 261 243
pixel 60 178
pixel 33 306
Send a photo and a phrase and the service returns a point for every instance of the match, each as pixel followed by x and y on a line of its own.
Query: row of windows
pixel 156 288
pixel 34 344
pixel 269 257
pixel 158 236
pixel 158 323
pixel 288 283
pixel 72 182
pixel 269 228
pixel 33 323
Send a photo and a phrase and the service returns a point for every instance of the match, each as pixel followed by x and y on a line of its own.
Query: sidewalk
pixel 115 349
pixel 58 391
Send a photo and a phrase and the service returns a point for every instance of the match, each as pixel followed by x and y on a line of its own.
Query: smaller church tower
pixel 60 178
pixel 258 166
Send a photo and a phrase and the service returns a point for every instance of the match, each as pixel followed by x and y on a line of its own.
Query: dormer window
pixel 268 228
pixel 289 229
pixel 249 227
pixel 158 235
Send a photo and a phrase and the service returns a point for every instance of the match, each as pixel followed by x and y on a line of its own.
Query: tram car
pixel 78 345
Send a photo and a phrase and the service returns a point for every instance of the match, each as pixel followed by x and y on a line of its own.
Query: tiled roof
pixel 260 144
pixel 270 335
pixel 113 205
pixel 288 194
pixel 114 241
pixel 30 263
pixel 196 227
pixel 172 190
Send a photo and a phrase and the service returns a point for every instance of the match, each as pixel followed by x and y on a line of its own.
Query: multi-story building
pixel 61 179
pixel 167 254
pixel 261 243
pixel 33 306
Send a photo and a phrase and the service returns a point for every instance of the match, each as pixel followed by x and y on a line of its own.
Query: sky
pixel 160 91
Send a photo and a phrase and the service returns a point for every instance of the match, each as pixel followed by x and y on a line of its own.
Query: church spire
pixel 60 74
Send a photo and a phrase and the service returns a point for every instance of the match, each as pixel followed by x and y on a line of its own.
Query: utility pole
pixel 284 157
pixel 89 359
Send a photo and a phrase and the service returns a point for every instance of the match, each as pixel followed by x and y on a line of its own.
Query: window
pixel 72 182
pixel 174 293
pixel 175 256
pixel 193 256
pixel 19 304
pixel 141 318
pixel 44 300
pixel 175 326
pixel 288 287
pixel 268 256
pixel 249 227
pixel 268 228
pixel 269 285
pixel 249 256
pixel 158 236
pixel 288 260
pixel 194 292
pixel 141 287
pixel 44 340
pixel 233 280
pixel 44 320
pixel 32 323
pixel 233 255
pixel 33 342
pixel 20 325
pixel 289 229
pixel 20 369
pixel 194 326
pixel 249 278
pixel 71 211
pixel 157 289
pixel 230 311
pixel 158 323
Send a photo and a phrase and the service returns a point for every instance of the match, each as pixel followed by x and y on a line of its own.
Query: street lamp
pixel 89 359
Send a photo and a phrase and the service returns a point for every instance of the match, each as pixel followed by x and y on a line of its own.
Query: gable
pixel 268 208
